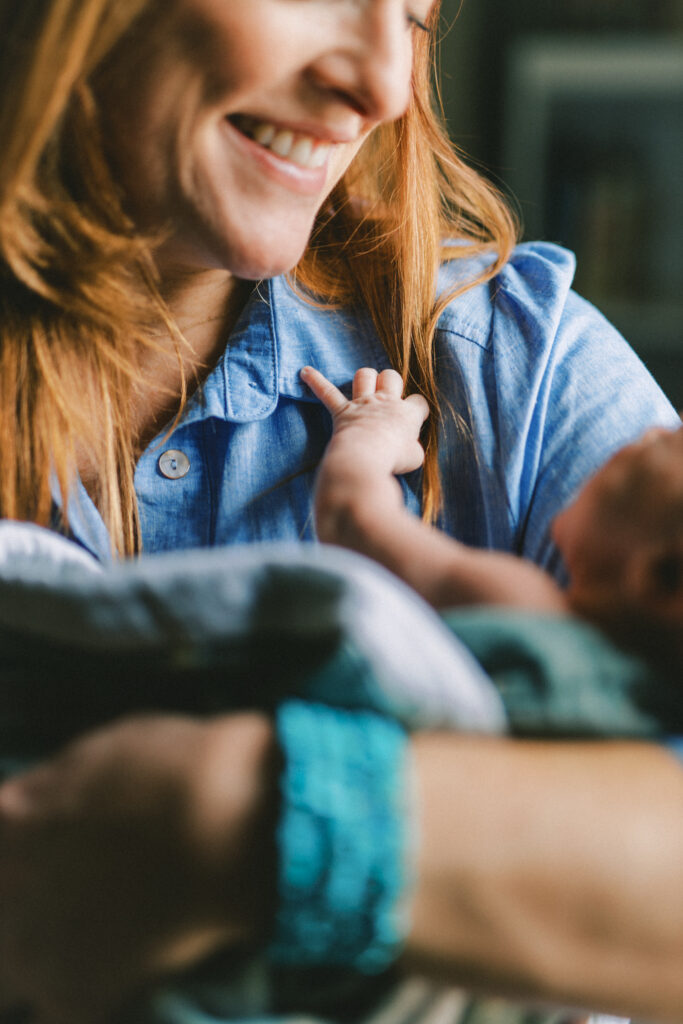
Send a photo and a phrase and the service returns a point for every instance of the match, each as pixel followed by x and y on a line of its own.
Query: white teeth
pixel 303 150
pixel 264 134
pixel 282 143
pixel 319 156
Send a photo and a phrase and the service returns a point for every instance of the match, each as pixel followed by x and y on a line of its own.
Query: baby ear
pixel 654 578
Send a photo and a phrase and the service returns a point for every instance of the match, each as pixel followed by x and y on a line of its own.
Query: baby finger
pixel 390 382
pixel 419 406
pixel 364 382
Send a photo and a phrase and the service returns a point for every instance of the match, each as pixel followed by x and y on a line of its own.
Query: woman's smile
pixel 240 117
pixel 296 147
pixel 295 160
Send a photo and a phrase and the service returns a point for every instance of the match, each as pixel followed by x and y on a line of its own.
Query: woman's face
pixel 231 120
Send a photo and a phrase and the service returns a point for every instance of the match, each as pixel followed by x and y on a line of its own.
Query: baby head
pixel 622 542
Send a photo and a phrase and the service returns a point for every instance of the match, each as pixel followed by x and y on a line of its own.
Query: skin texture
pixel 334 70
pixel 621 537
pixel 119 858
pixel 359 505
pixel 623 534
pixel 552 872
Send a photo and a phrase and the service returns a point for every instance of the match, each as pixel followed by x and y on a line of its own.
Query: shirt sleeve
pixel 344 839
pixel 569 392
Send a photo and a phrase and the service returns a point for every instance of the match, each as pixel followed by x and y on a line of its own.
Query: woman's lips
pixel 298 147
pixel 283 170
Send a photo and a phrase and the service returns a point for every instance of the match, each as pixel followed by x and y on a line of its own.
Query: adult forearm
pixel 552 872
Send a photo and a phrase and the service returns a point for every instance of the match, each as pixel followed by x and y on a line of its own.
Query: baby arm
pixel 359 503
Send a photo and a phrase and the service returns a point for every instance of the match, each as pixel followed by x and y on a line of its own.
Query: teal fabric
pixel 559 676
pixel 345 874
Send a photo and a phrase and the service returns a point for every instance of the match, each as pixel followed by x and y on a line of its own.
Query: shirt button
pixel 174 464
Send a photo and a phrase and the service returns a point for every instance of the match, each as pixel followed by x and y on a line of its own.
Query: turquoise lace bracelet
pixel 343 838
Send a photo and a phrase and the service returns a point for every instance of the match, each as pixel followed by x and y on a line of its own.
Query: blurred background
pixel 576 110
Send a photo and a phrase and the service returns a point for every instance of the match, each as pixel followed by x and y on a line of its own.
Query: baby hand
pixel 377 426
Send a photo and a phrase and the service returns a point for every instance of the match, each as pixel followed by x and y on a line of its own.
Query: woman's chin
pixel 278 256
pixel 261 270
pixel 248 262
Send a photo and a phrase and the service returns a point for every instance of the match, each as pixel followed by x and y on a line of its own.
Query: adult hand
pixel 138 850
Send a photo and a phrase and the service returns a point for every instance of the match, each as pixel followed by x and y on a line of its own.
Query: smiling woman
pixel 183 127
pixel 198 197
pixel 228 130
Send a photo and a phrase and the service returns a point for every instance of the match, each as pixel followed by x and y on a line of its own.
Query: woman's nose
pixel 370 60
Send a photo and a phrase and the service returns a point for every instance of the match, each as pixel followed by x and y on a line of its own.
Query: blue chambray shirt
pixel 546 387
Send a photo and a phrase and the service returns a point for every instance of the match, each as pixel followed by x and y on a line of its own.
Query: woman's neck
pixel 205 306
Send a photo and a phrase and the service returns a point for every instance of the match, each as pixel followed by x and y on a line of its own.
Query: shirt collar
pixel 86 525
pixel 243 385
pixel 277 333
pixel 335 341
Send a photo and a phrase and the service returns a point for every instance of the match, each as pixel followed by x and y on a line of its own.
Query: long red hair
pixel 78 295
